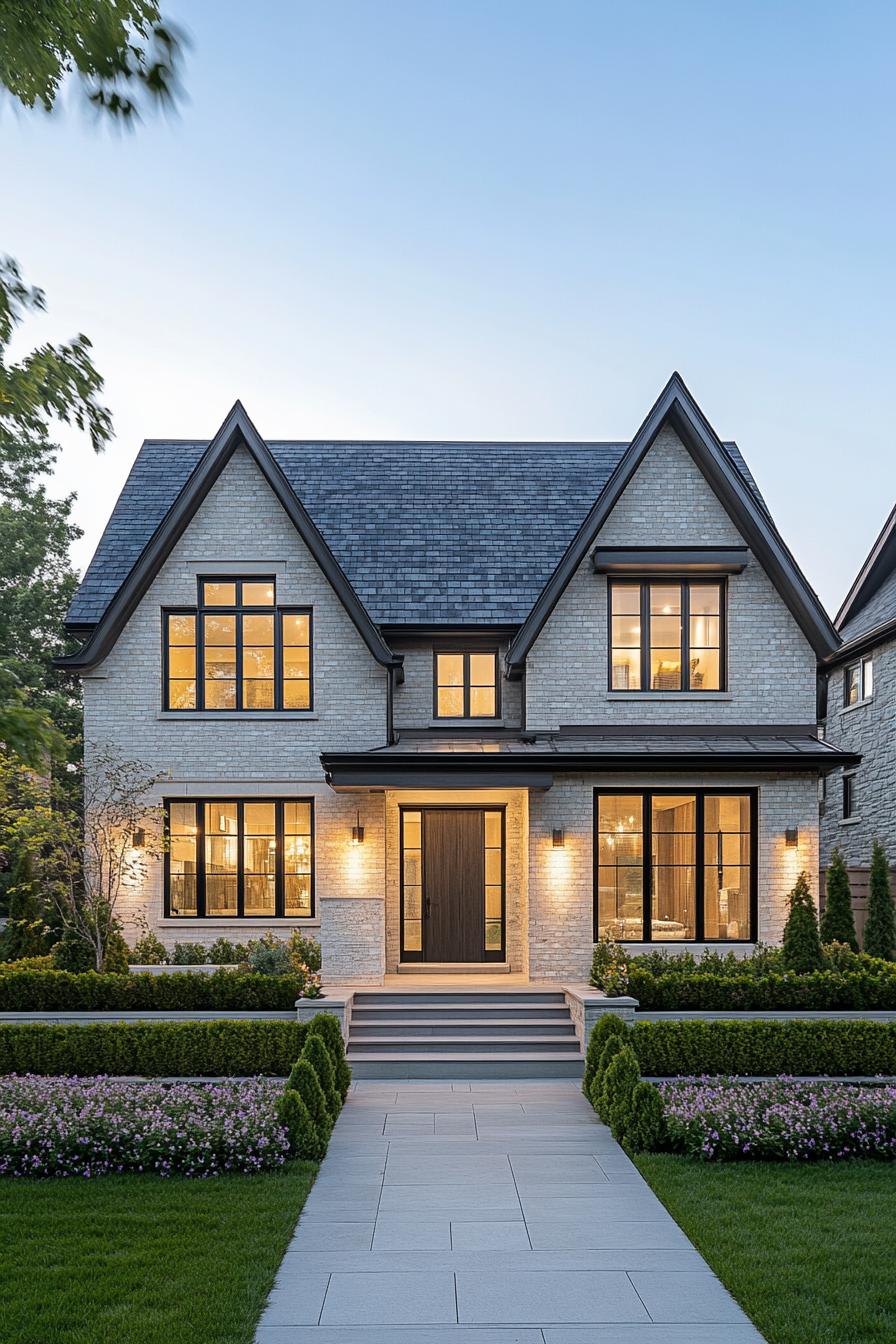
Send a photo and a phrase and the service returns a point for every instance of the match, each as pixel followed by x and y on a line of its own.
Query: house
pixel 471 704
pixel 859 716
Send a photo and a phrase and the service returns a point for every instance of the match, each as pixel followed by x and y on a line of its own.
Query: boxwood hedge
pixel 801 1047
pixel 816 990
pixel 62 991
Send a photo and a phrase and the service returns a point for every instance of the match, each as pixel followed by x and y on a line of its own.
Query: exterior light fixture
pixel 792 837
pixel 138 839
pixel 358 832
pixel 558 837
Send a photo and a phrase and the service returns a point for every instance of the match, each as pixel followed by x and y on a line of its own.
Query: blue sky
pixel 495 219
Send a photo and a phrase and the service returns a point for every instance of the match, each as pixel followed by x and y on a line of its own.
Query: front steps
pixel 463 1033
pixel 453 968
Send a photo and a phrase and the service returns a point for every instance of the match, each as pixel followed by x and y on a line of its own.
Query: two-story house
pixel 461 703
pixel 859 715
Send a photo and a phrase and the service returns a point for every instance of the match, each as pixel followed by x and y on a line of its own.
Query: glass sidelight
pixel 412 881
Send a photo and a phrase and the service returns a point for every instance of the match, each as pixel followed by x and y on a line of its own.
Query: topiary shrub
pixel 327 1027
pixel 620 1081
pixel 115 956
pixel 607 1025
pixel 880 926
pixel 612 1045
pixel 837 924
pixel 645 1131
pixel 304 1080
pixel 318 1056
pixel 304 1137
pixel 801 944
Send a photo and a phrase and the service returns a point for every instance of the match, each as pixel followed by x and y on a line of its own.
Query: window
pixel 849 797
pixel 667 636
pixel 858 682
pixel 231 859
pixel 237 650
pixel 466 685
pixel 675 866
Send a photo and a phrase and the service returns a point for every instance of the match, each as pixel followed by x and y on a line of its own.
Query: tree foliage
pixel 880 926
pixel 802 943
pixel 837 923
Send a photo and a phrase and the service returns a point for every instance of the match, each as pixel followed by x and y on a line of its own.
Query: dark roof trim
pixel 676 406
pixel 394 776
pixel 684 730
pixel 670 559
pixel 878 563
pixel 236 430
pixel 869 639
pixel 455 631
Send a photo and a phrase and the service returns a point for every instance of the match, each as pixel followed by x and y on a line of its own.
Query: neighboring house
pixel 467 703
pixel 859 715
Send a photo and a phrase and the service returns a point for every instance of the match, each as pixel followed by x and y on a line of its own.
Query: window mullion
pixel 699 876
pixel 279 862
pixel 278 658
pixel 685 606
pixel 645 636
pixel 466 685
pixel 200 658
pixel 200 859
pixel 647 871
pixel 240 873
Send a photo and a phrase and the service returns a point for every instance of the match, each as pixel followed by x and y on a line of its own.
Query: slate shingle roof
pixel 427 533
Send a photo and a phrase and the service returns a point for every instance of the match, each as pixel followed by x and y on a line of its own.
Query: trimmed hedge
pixel 801 1047
pixel 152 1049
pixel 817 990
pixel 65 991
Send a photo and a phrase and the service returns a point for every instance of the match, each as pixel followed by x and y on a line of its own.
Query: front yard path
pixel 489 1213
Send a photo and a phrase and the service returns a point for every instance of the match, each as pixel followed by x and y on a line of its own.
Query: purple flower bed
pixel 92 1126
pixel 784 1119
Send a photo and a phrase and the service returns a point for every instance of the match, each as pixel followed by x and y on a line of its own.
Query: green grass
pixel 806 1250
pixel 140 1260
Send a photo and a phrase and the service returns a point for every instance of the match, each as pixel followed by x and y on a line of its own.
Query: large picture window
pixel 238 650
pixel 675 865
pixel 232 858
pixel 667 635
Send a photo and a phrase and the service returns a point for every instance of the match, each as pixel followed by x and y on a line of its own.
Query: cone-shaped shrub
pixel 802 945
pixel 318 1056
pixel 880 926
pixel 303 1079
pixel 607 1025
pixel 837 924
pixel 327 1027
pixel 646 1127
pixel 620 1081
pixel 612 1045
pixel 304 1139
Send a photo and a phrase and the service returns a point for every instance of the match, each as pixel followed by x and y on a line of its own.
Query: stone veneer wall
pixel 870 729
pixel 771 666
pixel 561 883
pixel 352 940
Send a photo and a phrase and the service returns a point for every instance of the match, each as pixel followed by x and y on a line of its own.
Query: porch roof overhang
pixel 532 760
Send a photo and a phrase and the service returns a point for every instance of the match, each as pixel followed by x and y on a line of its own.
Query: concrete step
pixel 471 998
pixel 454 1012
pixel 453 968
pixel 450 1026
pixel 465 1066
pixel 457 1044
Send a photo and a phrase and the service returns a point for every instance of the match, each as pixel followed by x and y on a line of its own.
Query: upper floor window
pixel 237 650
pixel 466 685
pixel 849 797
pixel 858 682
pixel 667 636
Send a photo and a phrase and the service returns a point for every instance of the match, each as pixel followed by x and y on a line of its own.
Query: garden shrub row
pixel 801 1047
pixel 68 991
pixel 316 1089
pixel 817 990
pixel 152 1049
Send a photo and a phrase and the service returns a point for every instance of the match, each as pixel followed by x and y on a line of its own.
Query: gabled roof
pixel 676 407
pixel 236 431
pixel 871 601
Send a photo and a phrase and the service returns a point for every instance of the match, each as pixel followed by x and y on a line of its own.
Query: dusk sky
pixel 451 219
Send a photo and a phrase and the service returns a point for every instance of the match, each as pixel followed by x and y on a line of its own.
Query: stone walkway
pixel 489 1213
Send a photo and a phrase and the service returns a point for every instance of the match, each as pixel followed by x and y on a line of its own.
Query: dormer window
pixel 667 635
pixel 858 682
pixel 237 650
pixel 466 685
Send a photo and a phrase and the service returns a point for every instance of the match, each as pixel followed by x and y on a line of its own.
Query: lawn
pixel 806 1250
pixel 139 1259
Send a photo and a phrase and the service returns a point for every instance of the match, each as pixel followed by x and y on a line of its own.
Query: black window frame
pixel 280 884
pixel 858 667
pixel 465 653
pixel 700 795
pixel 238 609
pixel 684 581
pixel 849 795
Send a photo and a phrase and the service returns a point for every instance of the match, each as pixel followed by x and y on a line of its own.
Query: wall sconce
pixel 792 837
pixel 138 839
pixel 558 837
pixel 358 832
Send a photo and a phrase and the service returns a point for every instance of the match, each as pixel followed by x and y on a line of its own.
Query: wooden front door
pixel 453 885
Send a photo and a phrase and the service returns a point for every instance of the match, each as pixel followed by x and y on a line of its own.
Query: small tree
pixel 880 926
pixel 837 923
pixel 318 1056
pixel 27 933
pixel 607 1025
pixel 802 944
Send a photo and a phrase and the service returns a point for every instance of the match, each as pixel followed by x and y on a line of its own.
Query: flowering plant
pixel 312 986
pixel 92 1126
pixel 782 1118
pixel 609 967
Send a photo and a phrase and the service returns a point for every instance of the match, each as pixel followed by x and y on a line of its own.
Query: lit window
pixel 666 636
pixel 858 682
pixel 237 650
pixel 849 796
pixel 230 859
pixel 674 867
pixel 466 685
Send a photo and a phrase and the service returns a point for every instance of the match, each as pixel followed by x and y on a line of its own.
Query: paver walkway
pixel 489 1213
